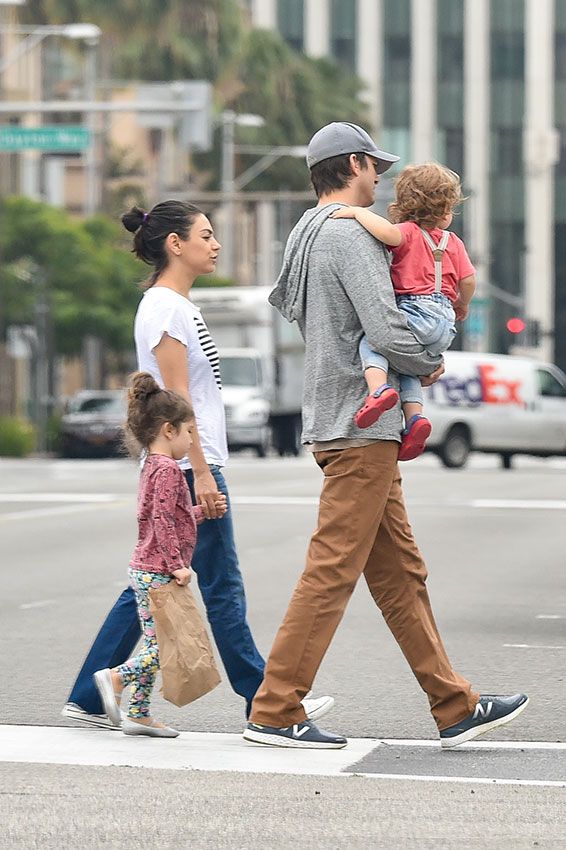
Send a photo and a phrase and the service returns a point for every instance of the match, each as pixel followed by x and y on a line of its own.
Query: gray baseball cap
pixel 340 137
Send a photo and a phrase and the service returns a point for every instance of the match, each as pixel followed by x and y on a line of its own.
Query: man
pixel 335 284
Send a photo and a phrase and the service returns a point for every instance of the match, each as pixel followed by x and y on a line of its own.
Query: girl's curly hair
pixel 425 194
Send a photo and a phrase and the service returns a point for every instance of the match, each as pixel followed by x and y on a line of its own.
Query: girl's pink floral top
pixel 167 520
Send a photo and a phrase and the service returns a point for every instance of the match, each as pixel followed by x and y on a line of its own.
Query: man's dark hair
pixel 334 173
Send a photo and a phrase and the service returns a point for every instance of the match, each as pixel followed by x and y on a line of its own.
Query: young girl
pixel 434 282
pixel 161 422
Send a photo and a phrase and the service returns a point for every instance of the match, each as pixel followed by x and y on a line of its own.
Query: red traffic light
pixel 516 325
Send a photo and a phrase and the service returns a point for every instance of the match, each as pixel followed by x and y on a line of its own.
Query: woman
pixel 173 344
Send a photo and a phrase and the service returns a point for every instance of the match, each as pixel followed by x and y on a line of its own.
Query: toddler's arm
pixel 466 289
pixel 378 226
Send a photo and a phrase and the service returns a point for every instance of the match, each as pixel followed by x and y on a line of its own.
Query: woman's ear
pixel 174 244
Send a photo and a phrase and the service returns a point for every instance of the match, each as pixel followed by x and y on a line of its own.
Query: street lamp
pixel 229 120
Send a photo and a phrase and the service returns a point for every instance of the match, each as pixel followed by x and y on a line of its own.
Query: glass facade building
pixel 378 39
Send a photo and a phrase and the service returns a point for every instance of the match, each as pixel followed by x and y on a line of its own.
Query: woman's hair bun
pixel 133 219
pixel 143 386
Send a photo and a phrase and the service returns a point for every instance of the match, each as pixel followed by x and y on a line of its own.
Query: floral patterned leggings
pixel 141 670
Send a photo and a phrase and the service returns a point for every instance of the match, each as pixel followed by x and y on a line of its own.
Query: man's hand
pixel 429 380
pixel 206 493
pixel 182 576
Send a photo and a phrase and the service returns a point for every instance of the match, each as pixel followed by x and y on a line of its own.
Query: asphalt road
pixel 494 543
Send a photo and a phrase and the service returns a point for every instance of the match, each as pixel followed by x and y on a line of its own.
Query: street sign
pixel 57 138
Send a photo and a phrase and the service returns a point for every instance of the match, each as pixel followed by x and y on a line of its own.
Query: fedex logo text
pixel 485 387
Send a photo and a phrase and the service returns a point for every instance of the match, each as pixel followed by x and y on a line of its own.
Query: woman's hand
pixel 206 493
pixel 182 576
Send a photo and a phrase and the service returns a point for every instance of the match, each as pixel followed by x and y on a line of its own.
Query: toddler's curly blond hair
pixel 425 194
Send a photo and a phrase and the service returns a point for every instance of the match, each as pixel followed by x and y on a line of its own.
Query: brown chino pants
pixel 362 528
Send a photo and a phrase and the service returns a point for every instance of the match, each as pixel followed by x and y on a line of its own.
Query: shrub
pixel 17 437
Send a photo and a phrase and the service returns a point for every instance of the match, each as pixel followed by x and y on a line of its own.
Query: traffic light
pixel 524 332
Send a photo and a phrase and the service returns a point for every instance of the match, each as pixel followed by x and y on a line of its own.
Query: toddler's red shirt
pixel 412 267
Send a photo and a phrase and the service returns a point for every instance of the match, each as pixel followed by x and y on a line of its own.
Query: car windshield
pixel 100 404
pixel 240 372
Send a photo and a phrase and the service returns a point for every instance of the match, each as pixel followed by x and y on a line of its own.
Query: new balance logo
pixel 297 731
pixel 482 712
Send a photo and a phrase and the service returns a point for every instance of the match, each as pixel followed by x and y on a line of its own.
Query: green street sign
pixel 57 138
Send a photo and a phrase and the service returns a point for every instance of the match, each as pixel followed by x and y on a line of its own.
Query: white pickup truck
pixel 498 404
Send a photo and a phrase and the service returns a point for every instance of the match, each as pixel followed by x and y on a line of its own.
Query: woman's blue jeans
pixel 215 563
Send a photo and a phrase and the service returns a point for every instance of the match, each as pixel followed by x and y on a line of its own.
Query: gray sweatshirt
pixel 335 284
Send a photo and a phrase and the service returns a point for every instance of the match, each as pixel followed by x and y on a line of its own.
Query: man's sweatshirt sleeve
pixel 365 275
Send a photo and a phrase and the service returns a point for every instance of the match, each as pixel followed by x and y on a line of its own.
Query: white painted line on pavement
pixel 190 751
pixel 551 617
pixel 484 780
pixel 42 604
pixel 503 504
pixel 530 646
pixel 477 745
pixel 58 497
pixel 214 752
pixel 40 513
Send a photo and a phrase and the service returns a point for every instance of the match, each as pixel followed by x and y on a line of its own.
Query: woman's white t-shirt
pixel 161 311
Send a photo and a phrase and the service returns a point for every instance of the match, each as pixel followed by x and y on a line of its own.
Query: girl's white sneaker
pixel 131 727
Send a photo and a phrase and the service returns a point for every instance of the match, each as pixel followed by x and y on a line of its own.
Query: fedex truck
pixel 498 404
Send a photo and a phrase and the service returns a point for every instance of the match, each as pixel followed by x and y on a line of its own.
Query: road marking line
pixel 530 646
pixel 480 504
pixel 40 513
pixel 551 617
pixel 484 780
pixel 42 604
pixel 58 497
pixel 477 745
pixel 213 752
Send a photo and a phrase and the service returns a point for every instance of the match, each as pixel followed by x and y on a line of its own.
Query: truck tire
pixel 506 460
pixel 456 447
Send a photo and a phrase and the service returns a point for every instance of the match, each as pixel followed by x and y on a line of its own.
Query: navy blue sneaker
pixel 490 712
pixel 305 735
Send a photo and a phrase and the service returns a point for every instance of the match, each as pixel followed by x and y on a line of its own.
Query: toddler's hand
pixel 461 311
pixel 182 576
pixel 344 212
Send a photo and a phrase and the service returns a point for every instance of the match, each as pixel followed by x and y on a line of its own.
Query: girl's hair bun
pixel 133 219
pixel 143 386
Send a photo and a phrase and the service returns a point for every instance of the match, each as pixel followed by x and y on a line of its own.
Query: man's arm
pixel 171 356
pixel 365 276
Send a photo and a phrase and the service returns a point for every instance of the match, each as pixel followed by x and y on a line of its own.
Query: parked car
pixel 498 404
pixel 92 425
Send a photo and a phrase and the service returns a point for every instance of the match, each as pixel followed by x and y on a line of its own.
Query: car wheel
pixel 456 447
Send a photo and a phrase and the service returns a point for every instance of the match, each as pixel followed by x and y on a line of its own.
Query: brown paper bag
pixel 187 664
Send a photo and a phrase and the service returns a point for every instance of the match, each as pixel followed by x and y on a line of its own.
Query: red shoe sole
pixel 374 407
pixel 413 444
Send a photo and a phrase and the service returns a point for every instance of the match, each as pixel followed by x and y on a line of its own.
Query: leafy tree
pixel 90 275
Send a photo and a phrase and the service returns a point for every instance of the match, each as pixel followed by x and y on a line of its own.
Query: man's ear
pixel 355 165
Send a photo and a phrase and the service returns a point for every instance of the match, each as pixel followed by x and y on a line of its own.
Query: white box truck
pixel 498 404
pixel 261 364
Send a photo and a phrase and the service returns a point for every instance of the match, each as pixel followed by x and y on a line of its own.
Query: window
pixel 549 386
pixel 397 59
pixel 343 24
pixel 290 21
pixel 509 151
pixel 560 55
pixel 507 56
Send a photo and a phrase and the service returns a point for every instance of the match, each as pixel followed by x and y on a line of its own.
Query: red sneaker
pixel 375 404
pixel 414 437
